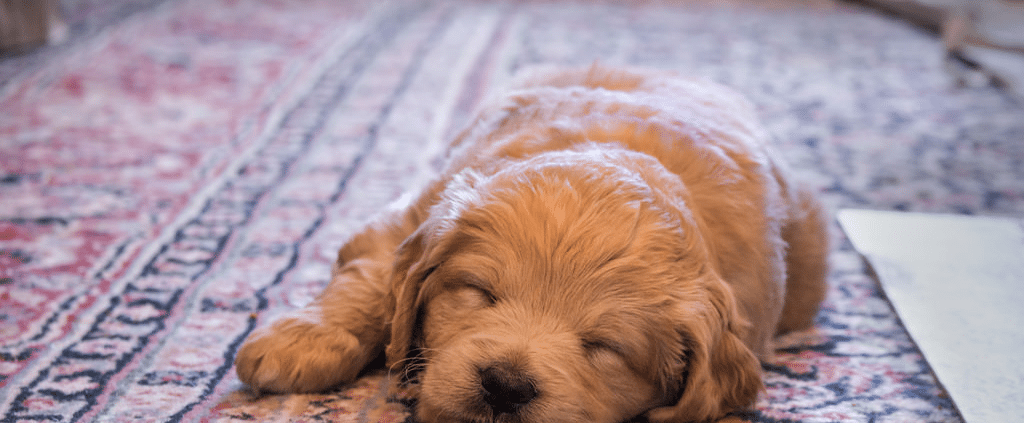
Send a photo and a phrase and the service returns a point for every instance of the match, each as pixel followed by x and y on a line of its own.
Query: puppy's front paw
pixel 296 354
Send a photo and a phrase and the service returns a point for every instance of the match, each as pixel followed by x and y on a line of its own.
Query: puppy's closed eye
pixel 595 346
pixel 604 353
pixel 474 296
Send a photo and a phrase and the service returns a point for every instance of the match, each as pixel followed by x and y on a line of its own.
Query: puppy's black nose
pixel 506 390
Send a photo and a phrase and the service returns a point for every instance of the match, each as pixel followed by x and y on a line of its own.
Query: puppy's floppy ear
pixel 721 374
pixel 407 280
pixel 415 259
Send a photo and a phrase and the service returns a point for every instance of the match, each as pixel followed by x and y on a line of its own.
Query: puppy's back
pixel 596 76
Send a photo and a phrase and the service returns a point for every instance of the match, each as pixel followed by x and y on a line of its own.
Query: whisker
pixel 410 365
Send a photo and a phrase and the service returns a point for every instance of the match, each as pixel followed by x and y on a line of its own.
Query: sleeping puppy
pixel 604 244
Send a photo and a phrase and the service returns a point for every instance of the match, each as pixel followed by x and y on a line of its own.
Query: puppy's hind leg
pixel 806 234
pixel 330 341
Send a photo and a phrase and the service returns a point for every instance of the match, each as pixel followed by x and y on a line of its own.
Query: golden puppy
pixel 604 244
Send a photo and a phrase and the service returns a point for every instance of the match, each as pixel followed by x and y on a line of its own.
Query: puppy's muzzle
pixel 506 390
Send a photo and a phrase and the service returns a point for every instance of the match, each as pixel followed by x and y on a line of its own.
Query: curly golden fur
pixel 605 243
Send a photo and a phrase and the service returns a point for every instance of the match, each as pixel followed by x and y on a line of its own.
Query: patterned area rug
pixel 183 173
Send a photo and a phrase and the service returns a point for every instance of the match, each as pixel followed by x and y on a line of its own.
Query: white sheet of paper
pixel 957 283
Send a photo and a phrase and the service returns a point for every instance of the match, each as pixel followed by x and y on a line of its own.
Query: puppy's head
pixel 570 287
